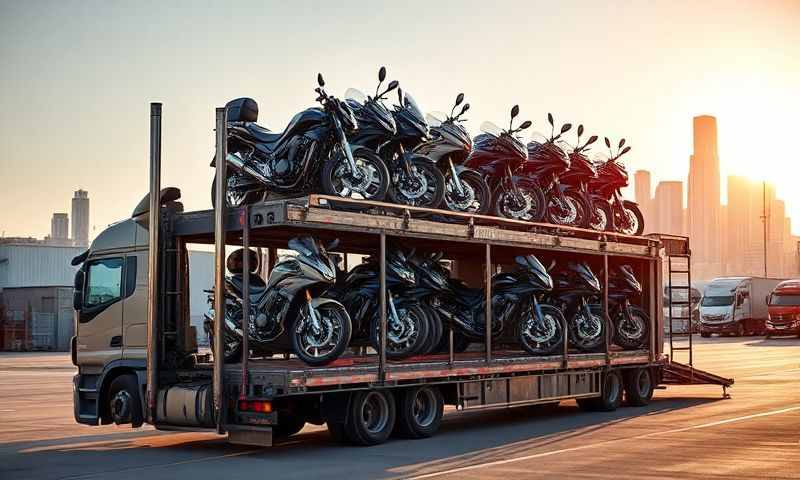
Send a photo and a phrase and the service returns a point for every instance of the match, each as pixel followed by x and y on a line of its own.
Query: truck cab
pixel 784 309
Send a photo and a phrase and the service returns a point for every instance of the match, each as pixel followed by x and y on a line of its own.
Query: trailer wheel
pixel 370 420
pixel 124 402
pixel 610 395
pixel 419 411
pixel 638 387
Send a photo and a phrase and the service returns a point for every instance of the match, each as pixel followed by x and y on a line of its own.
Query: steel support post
pixel 245 299
pixel 153 343
pixel 488 301
pixel 219 265
pixel 382 353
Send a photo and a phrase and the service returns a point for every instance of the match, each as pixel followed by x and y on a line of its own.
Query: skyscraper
pixel 704 195
pixel 668 204
pixel 59 226
pixel 80 218
pixel 644 198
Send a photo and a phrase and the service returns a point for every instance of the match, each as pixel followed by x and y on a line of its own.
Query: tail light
pixel 256 406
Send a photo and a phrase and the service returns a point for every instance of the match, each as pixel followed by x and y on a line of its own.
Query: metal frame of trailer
pixel 492 377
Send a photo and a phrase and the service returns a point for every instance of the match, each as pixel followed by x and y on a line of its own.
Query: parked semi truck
pixel 736 305
pixel 138 360
pixel 784 309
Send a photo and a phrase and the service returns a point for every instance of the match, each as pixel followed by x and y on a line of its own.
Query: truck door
pixel 100 316
pixel 135 319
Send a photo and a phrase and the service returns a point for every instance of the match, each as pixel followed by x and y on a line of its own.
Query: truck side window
pixel 104 285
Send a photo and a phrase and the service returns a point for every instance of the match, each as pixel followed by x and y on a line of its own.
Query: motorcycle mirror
pixel 580 130
pixel 624 151
pixel 392 85
pixel 320 80
pixel 400 96
pixel 464 109
pixel 592 139
pixel 459 99
pixel 334 243
pixel 550 118
pixel 608 142
pixel 621 143
pixel 514 111
pixel 525 124
pixel 566 127
pixel 382 74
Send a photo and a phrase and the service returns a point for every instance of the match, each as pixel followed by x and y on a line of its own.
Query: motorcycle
pixel 498 156
pixel 516 301
pixel 407 325
pixel 625 216
pixel 292 303
pixel 449 145
pixel 631 323
pixel 547 162
pixel 576 182
pixel 415 180
pixel 311 153
pixel 574 288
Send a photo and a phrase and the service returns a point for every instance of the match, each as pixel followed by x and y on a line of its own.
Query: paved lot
pixel 687 432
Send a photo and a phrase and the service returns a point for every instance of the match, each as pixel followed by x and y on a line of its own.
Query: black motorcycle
pixel 448 146
pixel 576 181
pixel 547 161
pixel 631 322
pixel 624 216
pixel 574 288
pixel 407 325
pixel 498 155
pixel 293 302
pixel 415 179
pixel 516 303
pixel 310 155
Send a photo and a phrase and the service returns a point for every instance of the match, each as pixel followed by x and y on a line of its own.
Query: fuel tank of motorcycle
pixel 447 139
pixel 493 154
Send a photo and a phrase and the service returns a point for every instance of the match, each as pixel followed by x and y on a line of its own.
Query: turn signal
pixel 258 406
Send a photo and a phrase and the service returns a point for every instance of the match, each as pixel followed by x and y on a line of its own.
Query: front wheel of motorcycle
pixel 587 331
pixel 632 331
pixel 526 203
pixel 601 216
pixel 370 181
pixel 473 197
pixel 322 345
pixel 235 198
pixel 424 187
pixel 406 336
pixel 543 336
pixel 632 221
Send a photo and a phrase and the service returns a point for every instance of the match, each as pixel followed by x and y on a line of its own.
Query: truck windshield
pixel 717 301
pixel 788 300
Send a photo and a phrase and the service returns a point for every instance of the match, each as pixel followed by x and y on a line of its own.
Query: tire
pixel 330 342
pixel 578 215
pixel 705 334
pixel 233 347
pixel 247 199
pixel 601 216
pixel 407 339
pixel 419 411
pixel 638 387
pixel 124 401
pixel 478 199
pixel 370 417
pixel 634 214
pixel 587 337
pixel 534 210
pixel 288 425
pixel 435 330
pixel 610 395
pixel 739 330
pixel 430 196
pixel 633 333
pixel 547 339
pixel 335 181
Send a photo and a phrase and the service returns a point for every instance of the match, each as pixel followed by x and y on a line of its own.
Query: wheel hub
pixel 517 206
pixel 563 212
pixel 599 219
pixel 459 201
pixel 121 407
pixel 413 186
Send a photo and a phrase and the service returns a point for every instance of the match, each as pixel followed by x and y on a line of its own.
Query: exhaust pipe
pixel 238 163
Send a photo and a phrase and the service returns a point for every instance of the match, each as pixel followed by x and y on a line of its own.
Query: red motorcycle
pixel 625 216
pixel 498 155
pixel 576 183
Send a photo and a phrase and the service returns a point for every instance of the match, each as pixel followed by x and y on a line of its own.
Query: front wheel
pixel 473 196
pixel 632 220
pixel 406 335
pixel 601 216
pixel 586 329
pixel 572 210
pixel 370 181
pixel 632 330
pixel 323 341
pixel 542 336
pixel 424 187
pixel 526 203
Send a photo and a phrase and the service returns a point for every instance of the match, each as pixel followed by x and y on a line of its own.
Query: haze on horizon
pixel 77 79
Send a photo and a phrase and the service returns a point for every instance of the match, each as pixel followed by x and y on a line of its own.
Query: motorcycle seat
pixel 471 296
pixel 261 134
pixel 257 285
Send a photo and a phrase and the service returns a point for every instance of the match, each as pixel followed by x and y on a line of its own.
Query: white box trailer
pixel 736 305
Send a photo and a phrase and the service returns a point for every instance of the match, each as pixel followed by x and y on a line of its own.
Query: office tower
pixel 59 226
pixel 644 199
pixel 668 204
pixel 80 218
pixel 704 195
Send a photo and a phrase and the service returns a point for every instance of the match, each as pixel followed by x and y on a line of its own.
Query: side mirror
pixel 514 111
pixel 320 80
pixel 592 139
pixel 608 142
pixel 525 124
pixel 621 143
pixel 400 96
pixel 77 294
pixel 566 128
pixel 459 99
pixel 464 109
pixel 382 74
pixel 392 85
pixel 624 151
pixel 580 130
pixel 550 119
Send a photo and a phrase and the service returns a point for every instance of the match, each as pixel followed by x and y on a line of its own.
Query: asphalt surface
pixel 686 432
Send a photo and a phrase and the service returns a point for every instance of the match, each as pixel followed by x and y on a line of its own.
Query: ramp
pixel 676 373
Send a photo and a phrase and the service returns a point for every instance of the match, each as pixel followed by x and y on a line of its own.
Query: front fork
pixel 454 174
pixel 345 145
pixel 513 184
pixel 393 310
pixel 312 313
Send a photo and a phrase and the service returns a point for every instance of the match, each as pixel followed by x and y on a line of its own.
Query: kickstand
pixel 725 393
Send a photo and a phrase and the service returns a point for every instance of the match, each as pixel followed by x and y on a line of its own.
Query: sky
pixel 76 79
